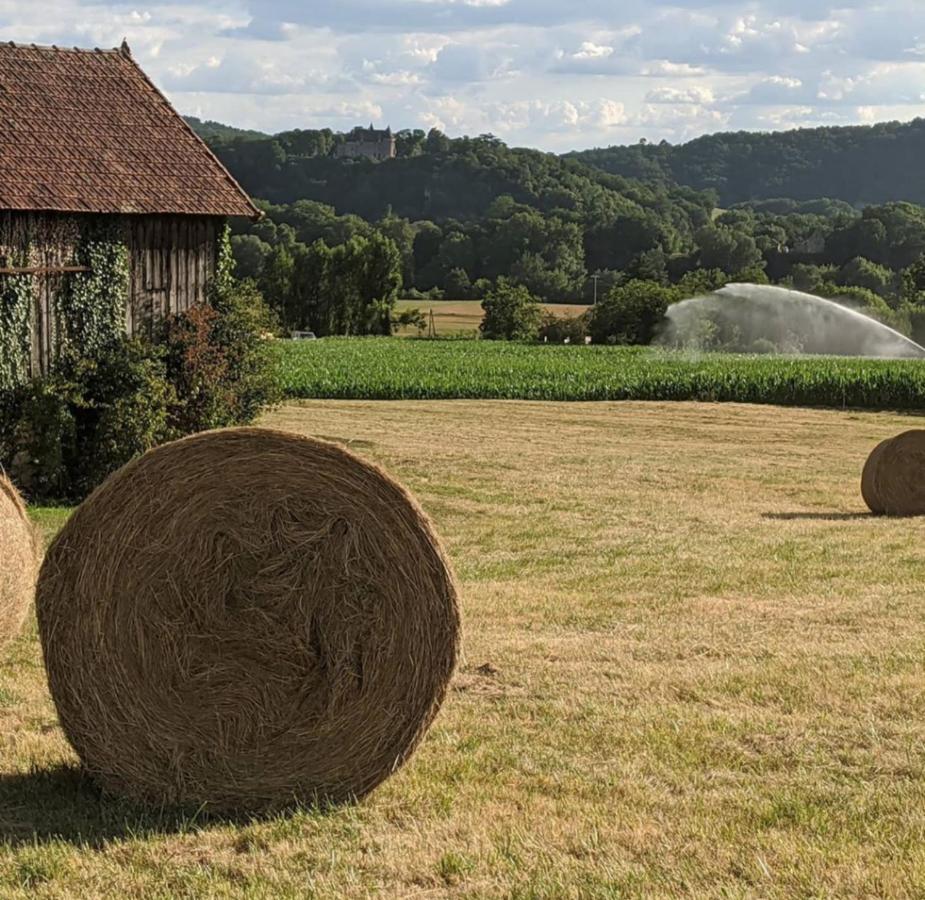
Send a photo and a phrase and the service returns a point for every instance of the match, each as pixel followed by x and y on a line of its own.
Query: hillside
pixel 216 131
pixel 859 165
pixel 434 178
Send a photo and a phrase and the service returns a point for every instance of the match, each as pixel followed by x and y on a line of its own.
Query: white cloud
pixel 590 50
pixel 684 96
pixel 534 72
pixel 662 68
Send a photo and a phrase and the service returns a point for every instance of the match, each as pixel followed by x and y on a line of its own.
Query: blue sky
pixel 557 75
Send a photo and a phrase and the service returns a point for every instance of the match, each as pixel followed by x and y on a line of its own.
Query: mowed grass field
pixel 693 666
pixel 452 317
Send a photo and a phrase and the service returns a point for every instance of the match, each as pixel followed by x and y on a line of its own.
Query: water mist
pixel 752 317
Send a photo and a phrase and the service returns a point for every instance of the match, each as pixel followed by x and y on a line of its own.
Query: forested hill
pixel 860 165
pixel 439 179
pixel 216 131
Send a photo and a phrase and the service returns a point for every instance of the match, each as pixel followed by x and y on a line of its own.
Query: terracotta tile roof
pixel 87 131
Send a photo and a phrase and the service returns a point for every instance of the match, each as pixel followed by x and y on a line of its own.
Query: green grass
pixel 392 369
pixel 49 519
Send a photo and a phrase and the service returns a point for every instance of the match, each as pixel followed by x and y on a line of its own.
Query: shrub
pixel 410 318
pixel 218 361
pixel 41 428
pixel 632 313
pixel 86 419
pixel 123 412
pixel 863 273
pixel 700 282
pixel 511 313
pixel 917 324
pixel 556 329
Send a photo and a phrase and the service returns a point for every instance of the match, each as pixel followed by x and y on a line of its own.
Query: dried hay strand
pixel 893 483
pixel 869 478
pixel 20 554
pixel 244 620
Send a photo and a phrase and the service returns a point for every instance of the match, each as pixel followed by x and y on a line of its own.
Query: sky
pixel 554 74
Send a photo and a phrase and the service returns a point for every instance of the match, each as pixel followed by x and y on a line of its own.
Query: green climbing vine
pixel 16 301
pixel 90 310
pixel 224 267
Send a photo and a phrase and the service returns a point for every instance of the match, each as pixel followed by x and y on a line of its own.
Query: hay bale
pixel 869 478
pixel 893 482
pixel 19 561
pixel 245 619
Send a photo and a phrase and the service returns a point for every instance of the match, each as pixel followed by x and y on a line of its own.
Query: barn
pixel 109 203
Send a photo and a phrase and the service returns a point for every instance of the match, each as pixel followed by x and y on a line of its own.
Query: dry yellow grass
pixel 460 316
pixel 694 666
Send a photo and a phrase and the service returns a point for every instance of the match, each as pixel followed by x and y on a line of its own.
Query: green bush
pixel 511 313
pixel 917 324
pixel 40 429
pixel 863 273
pixel 218 361
pixel 123 404
pixel 86 419
pixel 556 329
pixel 631 314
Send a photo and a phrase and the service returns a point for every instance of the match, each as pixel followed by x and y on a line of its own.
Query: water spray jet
pixel 764 318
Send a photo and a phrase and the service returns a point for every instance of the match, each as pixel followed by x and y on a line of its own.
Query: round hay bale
pixel 19 561
pixel 869 479
pixel 896 480
pixel 247 619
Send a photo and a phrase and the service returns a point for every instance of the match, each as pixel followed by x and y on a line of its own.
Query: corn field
pixel 402 369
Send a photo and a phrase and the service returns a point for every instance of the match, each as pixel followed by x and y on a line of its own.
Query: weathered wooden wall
pixel 171 262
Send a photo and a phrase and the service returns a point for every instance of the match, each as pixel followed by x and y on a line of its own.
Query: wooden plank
pixel 148 233
pixel 129 237
pixel 177 244
pixel 36 337
pixel 45 270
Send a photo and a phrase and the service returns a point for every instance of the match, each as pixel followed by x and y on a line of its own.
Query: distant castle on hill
pixel 368 143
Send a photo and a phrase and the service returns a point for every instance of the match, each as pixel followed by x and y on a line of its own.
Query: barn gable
pixel 87 132
pixel 105 192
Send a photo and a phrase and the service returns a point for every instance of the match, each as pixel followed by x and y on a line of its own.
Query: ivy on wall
pixel 16 301
pixel 91 308
pixel 225 265
pixel 88 313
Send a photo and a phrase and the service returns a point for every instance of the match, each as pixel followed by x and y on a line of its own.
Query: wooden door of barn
pixel 172 261
pixel 45 288
pixel 45 283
